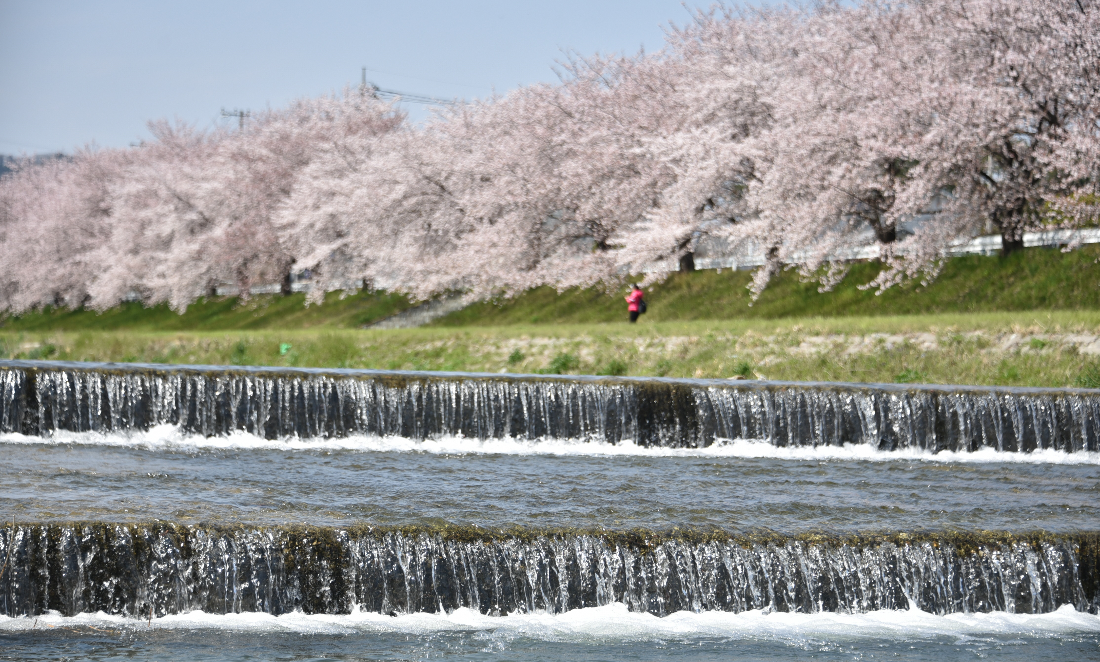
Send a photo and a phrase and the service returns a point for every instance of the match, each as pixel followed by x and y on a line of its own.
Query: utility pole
pixel 365 88
pixel 239 114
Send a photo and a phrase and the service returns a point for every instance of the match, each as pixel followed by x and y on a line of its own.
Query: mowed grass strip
pixel 1051 348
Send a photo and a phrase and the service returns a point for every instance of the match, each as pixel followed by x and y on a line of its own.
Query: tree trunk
pixel 286 287
pixel 886 234
pixel 687 262
pixel 1009 220
pixel 1011 241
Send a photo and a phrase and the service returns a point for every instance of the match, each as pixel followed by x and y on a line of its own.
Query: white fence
pixel 985 245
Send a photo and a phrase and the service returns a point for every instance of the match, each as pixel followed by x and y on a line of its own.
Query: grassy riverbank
pixel 1032 280
pixel 221 314
pixel 1019 349
pixel 1032 319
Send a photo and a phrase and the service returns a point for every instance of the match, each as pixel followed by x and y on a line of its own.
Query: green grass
pixel 968 348
pixel 1031 280
pixel 221 314
pixel 1034 279
pixel 699 325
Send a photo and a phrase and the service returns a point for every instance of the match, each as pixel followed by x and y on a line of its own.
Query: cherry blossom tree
pixel 1022 101
pixel 199 209
pixel 565 168
pixel 728 67
pixel 798 134
pixel 374 208
pixel 999 116
pixel 54 216
pixel 878 114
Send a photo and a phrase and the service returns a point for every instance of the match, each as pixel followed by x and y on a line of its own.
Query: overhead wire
pixel 390 95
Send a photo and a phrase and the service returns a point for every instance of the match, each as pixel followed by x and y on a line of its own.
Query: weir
pixel 38 397
pixel 158 569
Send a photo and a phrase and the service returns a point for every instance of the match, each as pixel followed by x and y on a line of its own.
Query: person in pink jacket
pixel 635 304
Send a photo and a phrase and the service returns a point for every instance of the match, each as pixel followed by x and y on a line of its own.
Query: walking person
pixel 635 304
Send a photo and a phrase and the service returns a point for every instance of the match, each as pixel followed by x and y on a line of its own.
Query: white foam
pixel 167 437
pixel 611 623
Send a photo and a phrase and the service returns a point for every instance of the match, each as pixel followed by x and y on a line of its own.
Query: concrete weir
pixel 147 570
pixel 38 397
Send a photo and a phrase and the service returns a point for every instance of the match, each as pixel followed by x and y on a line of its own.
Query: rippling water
pixel 738 486
pixel 589 634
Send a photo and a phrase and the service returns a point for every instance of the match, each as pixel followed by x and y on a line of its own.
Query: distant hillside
pixel 8 163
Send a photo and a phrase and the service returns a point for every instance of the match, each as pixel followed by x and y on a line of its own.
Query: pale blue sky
pixel 74 72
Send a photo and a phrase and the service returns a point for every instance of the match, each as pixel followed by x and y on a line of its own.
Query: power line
pixel 411 98
pixel 421 78
pixel 389 95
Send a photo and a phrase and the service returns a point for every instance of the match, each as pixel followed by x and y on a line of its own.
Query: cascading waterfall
pixel 39 397
pixel 146 570
pixel 157 569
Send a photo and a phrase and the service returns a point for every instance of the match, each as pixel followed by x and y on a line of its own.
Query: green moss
pixel 1088 562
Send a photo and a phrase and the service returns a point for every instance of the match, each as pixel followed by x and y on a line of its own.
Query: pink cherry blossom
pixel 804 138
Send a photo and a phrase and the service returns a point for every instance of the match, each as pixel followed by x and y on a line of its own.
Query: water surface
pixel 162 474
pixel 602 633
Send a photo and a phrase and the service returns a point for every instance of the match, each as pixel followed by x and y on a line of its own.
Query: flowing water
pixel 201 513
